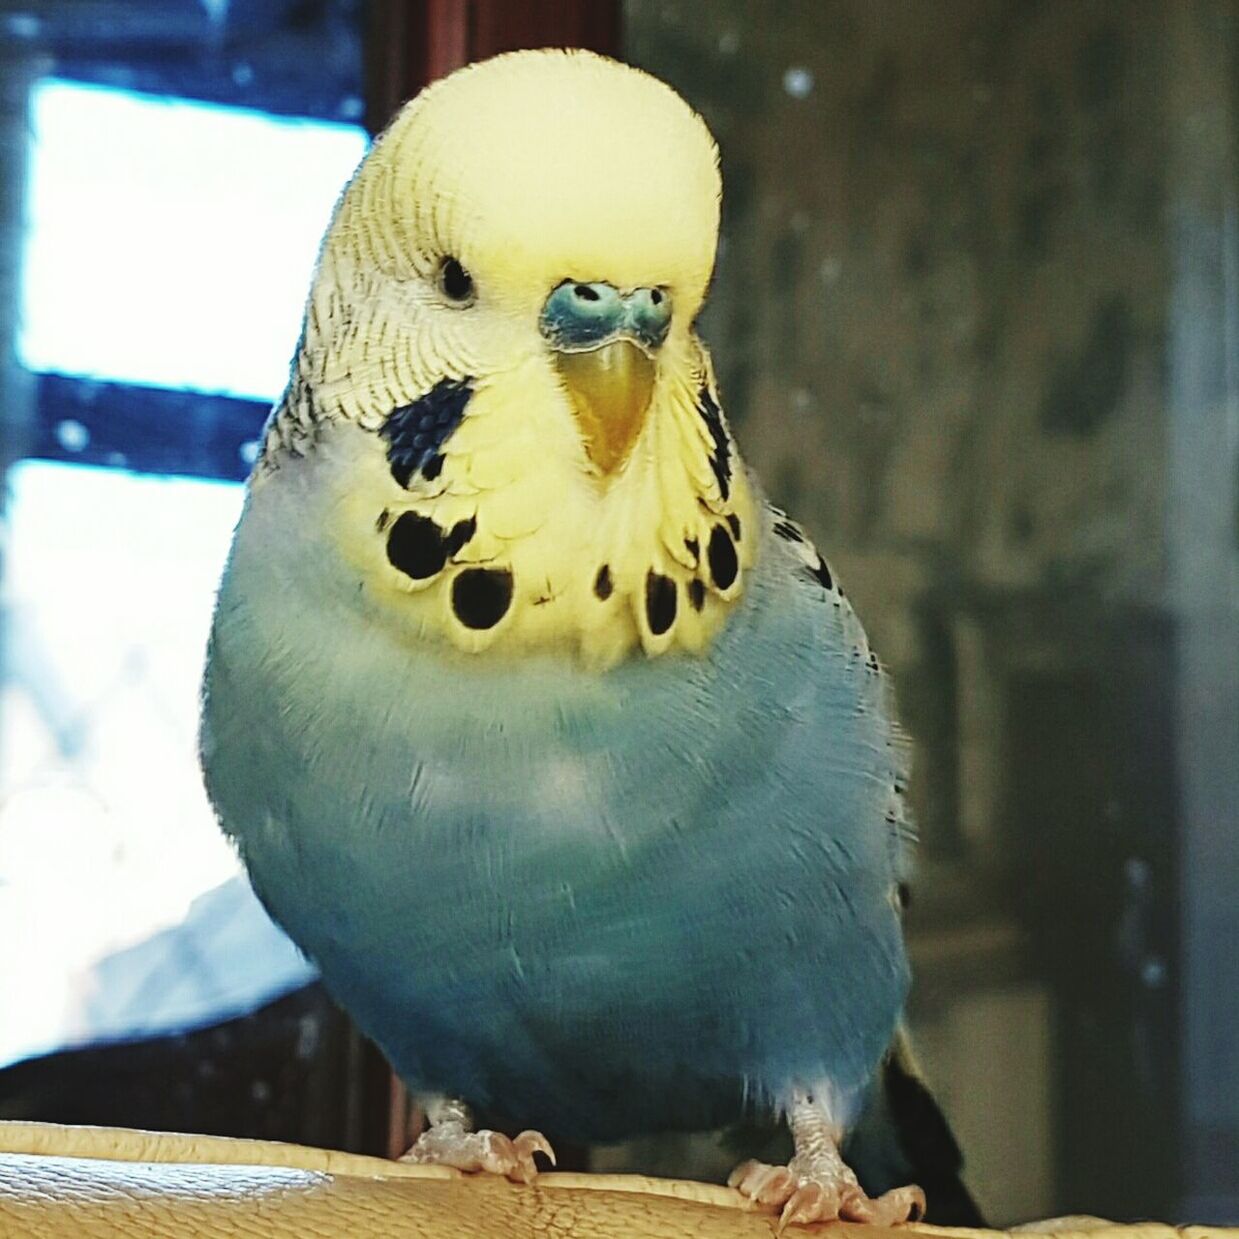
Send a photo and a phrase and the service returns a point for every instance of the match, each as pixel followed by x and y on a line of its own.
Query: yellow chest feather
pixel 518 543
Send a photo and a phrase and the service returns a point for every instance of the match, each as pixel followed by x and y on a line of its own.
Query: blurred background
pixel 977 324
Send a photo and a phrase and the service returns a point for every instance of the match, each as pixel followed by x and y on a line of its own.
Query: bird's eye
pixel 455 281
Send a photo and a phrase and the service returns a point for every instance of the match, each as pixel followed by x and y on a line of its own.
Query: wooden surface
pixel 69 1181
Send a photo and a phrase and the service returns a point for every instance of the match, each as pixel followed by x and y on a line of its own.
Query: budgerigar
pixel 551 742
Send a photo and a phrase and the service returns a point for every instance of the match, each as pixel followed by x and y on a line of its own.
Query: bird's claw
pixel 811 1202
pixel 523 1168
pixel 803 1200
pixel 486 1152
pixel 905 1203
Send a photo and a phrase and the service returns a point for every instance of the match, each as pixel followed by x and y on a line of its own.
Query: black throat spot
pixel 417 546
pixel 481 596
pixel 415 432
pixel 721 553
pixel 660 602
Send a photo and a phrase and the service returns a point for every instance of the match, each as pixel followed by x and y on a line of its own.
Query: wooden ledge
pixel 60 1181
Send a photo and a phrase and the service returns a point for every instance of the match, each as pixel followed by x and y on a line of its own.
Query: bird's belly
pixel 541 959
pixel 587 903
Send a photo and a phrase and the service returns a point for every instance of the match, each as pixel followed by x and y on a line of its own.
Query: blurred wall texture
pixel 977 319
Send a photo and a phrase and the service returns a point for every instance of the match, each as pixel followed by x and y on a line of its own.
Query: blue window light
pixel 170 243
pixel 107 843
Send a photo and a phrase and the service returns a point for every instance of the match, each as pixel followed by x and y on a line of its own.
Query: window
pixel 169 246
pixel 171 242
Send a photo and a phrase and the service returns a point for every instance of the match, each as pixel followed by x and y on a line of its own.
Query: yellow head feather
pixel 529 170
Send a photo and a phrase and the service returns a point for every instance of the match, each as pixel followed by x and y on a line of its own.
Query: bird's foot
pixel 488 1152
pixel 803 1194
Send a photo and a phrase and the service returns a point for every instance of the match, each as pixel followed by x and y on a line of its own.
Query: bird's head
pixel 501 335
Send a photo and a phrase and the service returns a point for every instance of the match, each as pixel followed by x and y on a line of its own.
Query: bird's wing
pixel 839 634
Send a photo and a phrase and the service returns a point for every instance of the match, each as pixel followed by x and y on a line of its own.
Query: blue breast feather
pixel 601 905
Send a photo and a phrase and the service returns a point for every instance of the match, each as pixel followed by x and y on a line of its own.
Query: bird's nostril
pixel 586 293
pixel 656 297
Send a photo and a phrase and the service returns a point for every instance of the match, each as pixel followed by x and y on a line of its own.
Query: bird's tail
pixel 903 1137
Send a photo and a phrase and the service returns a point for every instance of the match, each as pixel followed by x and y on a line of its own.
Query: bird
pixel 552 742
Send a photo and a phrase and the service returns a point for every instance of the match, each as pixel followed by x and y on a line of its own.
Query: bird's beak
pixel 604 344
pixel 610 389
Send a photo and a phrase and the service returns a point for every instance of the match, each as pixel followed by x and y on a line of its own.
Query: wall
pixel 943 323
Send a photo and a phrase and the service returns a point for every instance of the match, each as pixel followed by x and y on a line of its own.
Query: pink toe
pixel 809 1203
pixel 740 1174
